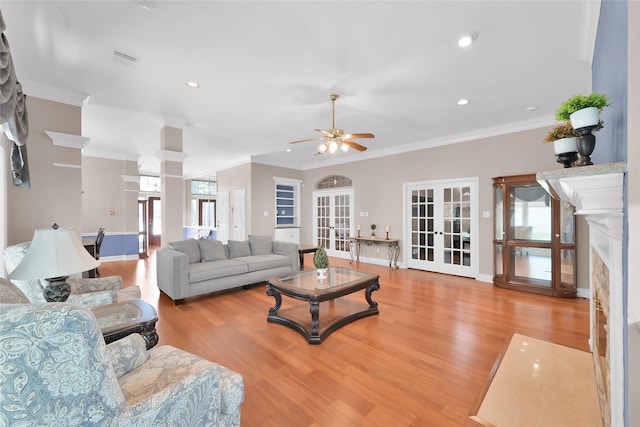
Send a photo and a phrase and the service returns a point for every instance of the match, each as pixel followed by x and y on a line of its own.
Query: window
pixel 287 202
pixel 204 187
pixel 150 184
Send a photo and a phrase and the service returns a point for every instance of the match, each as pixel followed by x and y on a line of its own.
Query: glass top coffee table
pixel 125 318
pixel 337 312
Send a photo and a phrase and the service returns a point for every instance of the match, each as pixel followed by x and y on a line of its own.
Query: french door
pixel 441 231
pixel 333 221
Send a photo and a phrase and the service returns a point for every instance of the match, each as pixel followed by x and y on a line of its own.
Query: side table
pixel 125 318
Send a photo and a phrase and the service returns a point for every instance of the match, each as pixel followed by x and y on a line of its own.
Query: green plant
pixel 560 131
pixel 578 102
pixel 320 258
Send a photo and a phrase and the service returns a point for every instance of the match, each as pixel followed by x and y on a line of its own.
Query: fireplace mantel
pixel 593 190
pixel 597 192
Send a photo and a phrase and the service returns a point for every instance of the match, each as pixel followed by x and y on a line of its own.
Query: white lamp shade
pixel 54 253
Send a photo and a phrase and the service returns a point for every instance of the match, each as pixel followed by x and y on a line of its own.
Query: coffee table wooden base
pixel 313 332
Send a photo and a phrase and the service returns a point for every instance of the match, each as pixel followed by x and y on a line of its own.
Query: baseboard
pixel 484 278
pixel 584 293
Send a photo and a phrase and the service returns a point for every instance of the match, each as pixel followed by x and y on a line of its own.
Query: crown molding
pixel 171 156
pixel 67 140
pixel 64 96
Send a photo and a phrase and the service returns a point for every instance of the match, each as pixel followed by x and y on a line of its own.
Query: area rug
pixel 540 384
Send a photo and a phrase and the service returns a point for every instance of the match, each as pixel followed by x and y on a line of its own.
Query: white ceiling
pixel 266 70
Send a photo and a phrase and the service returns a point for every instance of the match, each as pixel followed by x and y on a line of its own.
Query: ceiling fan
pixel 334 137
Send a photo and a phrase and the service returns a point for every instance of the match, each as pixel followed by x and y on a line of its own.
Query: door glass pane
pixel 323 222
pixel 456 215
pixel 567 262
pixel 157 218
pixel 567 223
pixel 498 213
pixel 342 222
pixel 498 260
pixel 532 263
pixel 530 207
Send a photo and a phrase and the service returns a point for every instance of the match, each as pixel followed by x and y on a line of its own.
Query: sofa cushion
pixel 265 262
pixel 211 250
pixel 260 245
pixel 189 247
pixel 216 269
pixel 238 248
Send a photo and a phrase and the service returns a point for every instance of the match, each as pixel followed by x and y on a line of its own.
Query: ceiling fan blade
pixel 324 132
pixel 358 135
pixel 306 140
pixel 354 145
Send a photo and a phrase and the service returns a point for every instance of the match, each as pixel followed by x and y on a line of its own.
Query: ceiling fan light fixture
pixel 322 148
pixel 344 147
pixel 333 147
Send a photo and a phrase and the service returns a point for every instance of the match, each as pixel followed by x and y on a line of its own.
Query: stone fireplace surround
pixel 597 192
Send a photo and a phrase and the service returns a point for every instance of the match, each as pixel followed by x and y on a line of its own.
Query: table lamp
pixel 54 254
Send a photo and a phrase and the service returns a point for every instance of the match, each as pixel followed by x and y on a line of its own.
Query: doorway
pixel 441 226
pixel 154 221
pixel 142 229
pixel 333 221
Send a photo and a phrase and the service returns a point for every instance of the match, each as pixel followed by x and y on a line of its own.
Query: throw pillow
pixel 211 250
pixel 238 248
pixel 189 247
pixel 127 354
pixel 260 245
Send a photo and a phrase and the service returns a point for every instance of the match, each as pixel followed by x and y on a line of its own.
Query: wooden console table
pixel 393 247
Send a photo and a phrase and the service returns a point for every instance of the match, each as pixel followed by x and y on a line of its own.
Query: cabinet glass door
pixel 533 238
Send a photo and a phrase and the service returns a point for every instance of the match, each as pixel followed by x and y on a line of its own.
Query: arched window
pixel 333 181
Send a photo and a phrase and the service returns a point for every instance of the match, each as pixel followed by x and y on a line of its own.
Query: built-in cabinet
pixel 533 239
pixel 287 215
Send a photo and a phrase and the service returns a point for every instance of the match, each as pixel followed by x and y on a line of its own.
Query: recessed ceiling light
pixel 463 102
pixel 532 108
pixel 193 85
pixel 288 150
pixel 467 39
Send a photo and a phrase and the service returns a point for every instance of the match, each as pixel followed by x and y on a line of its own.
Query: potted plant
pixel 583 111
pixel 321 261
pixel 373 230
pixel 563 138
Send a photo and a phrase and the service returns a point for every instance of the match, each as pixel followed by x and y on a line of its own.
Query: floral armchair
pixel 55 369
pixel 87 292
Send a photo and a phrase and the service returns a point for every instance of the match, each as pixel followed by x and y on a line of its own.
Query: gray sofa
pixel 193 267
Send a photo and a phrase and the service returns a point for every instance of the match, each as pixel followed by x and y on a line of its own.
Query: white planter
pixel 585 117
pixel 565 145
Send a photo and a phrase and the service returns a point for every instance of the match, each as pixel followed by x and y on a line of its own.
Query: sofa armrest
pixel 288 249
pixel 108 283
pixel 93 299
pixel 172 268
pixel 178 386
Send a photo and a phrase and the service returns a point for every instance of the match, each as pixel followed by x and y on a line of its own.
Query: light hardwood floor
pixel 423 361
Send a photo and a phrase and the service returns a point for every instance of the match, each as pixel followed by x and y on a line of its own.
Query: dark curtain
pixel 13 113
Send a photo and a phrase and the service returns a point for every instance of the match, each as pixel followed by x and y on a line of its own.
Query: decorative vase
pixel 322 272
pixel 586 144
pixel 565 145
pixel 566 151
pixel 585 117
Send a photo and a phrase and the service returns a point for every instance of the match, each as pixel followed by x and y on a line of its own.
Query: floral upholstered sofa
pixel 57 370
pixel 87 292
